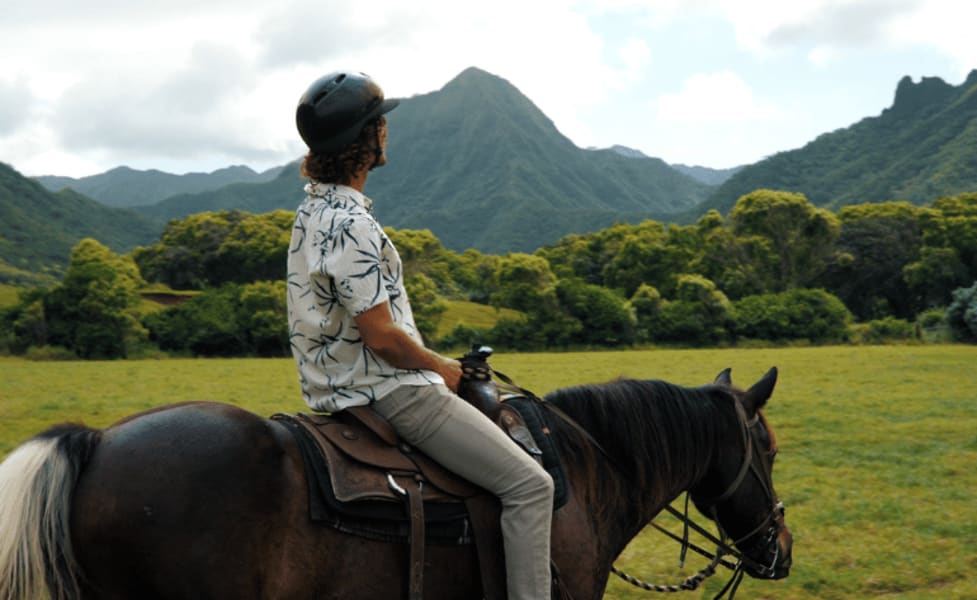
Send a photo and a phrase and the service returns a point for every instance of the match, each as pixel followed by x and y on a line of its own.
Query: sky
pixel 194 86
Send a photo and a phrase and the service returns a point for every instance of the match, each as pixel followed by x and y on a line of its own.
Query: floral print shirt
pixel 341 264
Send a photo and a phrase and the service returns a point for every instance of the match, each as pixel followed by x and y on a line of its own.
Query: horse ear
pixel 756 397
pixel 724 378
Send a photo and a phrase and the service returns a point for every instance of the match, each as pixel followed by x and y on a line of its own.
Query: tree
pixel 875 244
pixel 254 249
pixel 526 283
pixel 700 314
pixel 263 317
pixel 24 325
pixel 426 306
pixel 231 320
pixel 646 303
pixel 934 276
pixel 739 265
pixel 605 317
pixel 649 256
pixel 800 235
pixel 93 311
pixel 187 251
pixel 422 254
pixel 959 215
pixel 477 275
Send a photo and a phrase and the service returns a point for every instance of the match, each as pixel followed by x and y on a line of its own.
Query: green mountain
pixel 924 146
pixel 38 227
pixel 481 167
pixel 123 186
pixel 705 174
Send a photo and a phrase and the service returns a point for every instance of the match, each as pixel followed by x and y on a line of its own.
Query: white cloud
pixel 942 25
pixel 113 82
pixel 15 105
pixel 714 98
pixel 635 56
pixel 823 29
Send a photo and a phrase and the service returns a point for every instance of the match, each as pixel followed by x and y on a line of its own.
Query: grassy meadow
pixel 8 295
pixel 878 448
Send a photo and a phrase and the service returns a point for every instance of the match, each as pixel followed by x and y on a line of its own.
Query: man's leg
pixel 461 438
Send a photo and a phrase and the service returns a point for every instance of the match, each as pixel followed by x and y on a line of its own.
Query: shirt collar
pixel 327 190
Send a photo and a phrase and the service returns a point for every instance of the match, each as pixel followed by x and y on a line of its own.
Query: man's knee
pixel 542 484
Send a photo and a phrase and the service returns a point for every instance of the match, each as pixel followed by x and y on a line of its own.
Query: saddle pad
pixel 535 420
pixel 447 523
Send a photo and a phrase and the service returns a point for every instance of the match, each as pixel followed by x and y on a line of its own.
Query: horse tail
pixel 36 484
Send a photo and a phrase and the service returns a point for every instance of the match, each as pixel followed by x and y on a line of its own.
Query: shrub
pixel 934 317
pixel 797 314
pixel 961 315
pixel 889 329
pixel 43 353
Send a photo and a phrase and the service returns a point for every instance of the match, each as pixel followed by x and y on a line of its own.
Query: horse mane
pixel 663 436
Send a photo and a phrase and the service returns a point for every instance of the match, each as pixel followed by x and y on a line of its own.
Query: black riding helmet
pixel 333 111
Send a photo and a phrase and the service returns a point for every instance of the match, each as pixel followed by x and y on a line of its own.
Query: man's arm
pixel 394 345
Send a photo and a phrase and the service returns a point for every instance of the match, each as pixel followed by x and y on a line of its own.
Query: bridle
pixel 772 525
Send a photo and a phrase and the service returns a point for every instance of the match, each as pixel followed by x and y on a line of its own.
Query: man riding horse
pixel 353 334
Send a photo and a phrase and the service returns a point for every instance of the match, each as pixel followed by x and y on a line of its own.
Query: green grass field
pixel 471 314
pixel 878 448
pixel 8 295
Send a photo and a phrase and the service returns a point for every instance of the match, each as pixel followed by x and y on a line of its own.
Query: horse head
pixel 738 492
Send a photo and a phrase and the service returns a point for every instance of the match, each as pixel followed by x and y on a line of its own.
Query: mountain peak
pixel 472 73
pixel 475 78
pixel 911 96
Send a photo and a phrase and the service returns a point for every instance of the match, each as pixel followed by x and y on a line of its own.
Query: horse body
pixel 152 530
pixel 205 500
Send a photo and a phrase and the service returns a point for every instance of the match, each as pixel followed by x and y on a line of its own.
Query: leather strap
pixel 484 512
pixel 415 504
pixel 376 423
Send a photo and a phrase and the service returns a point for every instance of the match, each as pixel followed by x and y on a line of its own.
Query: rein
pixel 723 544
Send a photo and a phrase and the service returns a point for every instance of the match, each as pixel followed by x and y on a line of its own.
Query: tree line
pixel 776 268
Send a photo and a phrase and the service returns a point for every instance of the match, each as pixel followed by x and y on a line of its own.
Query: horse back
pixel 173 493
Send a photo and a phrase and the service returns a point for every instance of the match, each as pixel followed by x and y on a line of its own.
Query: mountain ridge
pixel 38 228
pixel 127 187
pixel 919 148
pixel 478 164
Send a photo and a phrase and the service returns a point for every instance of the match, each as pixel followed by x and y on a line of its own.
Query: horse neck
pixel 648 450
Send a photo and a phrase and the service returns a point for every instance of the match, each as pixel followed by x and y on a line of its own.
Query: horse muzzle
pixel 778 558
pixel 775 555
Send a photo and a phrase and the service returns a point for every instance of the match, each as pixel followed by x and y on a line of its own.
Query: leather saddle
pixel 374 475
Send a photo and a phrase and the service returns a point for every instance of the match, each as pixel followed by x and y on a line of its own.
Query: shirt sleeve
pixel 349 254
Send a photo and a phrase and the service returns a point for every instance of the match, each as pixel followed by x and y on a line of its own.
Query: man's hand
pixel 394 345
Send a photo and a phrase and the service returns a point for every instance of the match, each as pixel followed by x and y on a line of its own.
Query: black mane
pixel 662 435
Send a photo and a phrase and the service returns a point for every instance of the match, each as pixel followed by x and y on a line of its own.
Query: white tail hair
pixel 36 482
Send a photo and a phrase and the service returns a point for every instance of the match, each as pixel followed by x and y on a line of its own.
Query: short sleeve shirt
pixel 341 264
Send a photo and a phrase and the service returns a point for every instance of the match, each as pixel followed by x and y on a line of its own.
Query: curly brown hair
pixel 341 167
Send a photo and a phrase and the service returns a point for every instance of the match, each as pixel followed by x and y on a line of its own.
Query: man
pixel 353 334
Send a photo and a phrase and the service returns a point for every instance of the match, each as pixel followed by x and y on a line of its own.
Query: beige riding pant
pixel 460 437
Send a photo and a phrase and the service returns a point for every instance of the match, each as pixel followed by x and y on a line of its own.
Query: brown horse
pixel 206 500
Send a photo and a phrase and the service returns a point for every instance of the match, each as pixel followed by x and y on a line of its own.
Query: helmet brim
pixel 387 106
